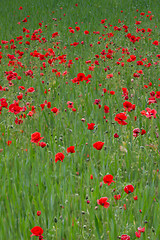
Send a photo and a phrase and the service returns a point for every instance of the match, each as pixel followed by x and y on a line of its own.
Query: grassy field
pixel 63 66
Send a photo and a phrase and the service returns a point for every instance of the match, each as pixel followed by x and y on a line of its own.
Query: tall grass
pixel 30 179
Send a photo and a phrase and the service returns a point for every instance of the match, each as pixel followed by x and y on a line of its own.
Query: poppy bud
pixel 38 213
pixel 91 177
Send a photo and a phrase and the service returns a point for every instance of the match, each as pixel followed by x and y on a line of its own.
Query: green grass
pixel 29 177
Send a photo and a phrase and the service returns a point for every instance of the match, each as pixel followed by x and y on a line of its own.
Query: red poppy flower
pixel 117 197
pixel 3 103
pixel 103 202
pixel 31 89
pixel 104 90
pixel 125 237
pixel 143 132
pixel 80 77
pixel 42 106
pixel 151 100
pixel 54 110
pixel 136 132
pixel 141 229
pixel 120 117
pixel 110 75
pixel 36 137
pixel 112 92
pixel 71 149
pixel 36 231
pixel 133 106
pixel 156 43
pixel 135 198
pixel 9 142
pixel 133 57
pixel 149 113
pixel 157 94
pixel 138 234
pixel 86 32
pixel 116 135
pixel 96 101
pixel 127 105
pixel 59 157
pixel 42 144
pixel 136 75
pixel 27 42
pixel 72 30
pixel 129 189
pixel 124 206
pixel 91 126
pixel 25 20
pixel 19 97
pixel 77 28
pixel 106 109
pixel 98 145
pixel 15 108
pixel 70 104
pixel 108 179
pixel 125 92
pixel 49 105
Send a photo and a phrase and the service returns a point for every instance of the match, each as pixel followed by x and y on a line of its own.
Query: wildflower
pixel 136 132
pixel 117 197
pixel 120 117
pixel 31 89
pixel 128 106
pixel 36 231
pixel 108 179
pixel 9 142
pixel 98 145
pixel 55 110
pixel 70 104
pixel 36 137
pixel 15 108
pixel 112 92
pixel 42 144
pixel 156 43
pixel 135 198
pixel 143 132
pixel 91 126
pixel 129 189
pixel 116 135
pixel 149 113
pixel 138 234
pixel 97 101
pixel 106 109
pixel 86 32
pixel 125 237
pixel 141 229
pixel 71 149
pixel 59 157
pixel 103 202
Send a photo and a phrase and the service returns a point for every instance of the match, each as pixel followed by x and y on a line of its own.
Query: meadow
pixel 79 120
